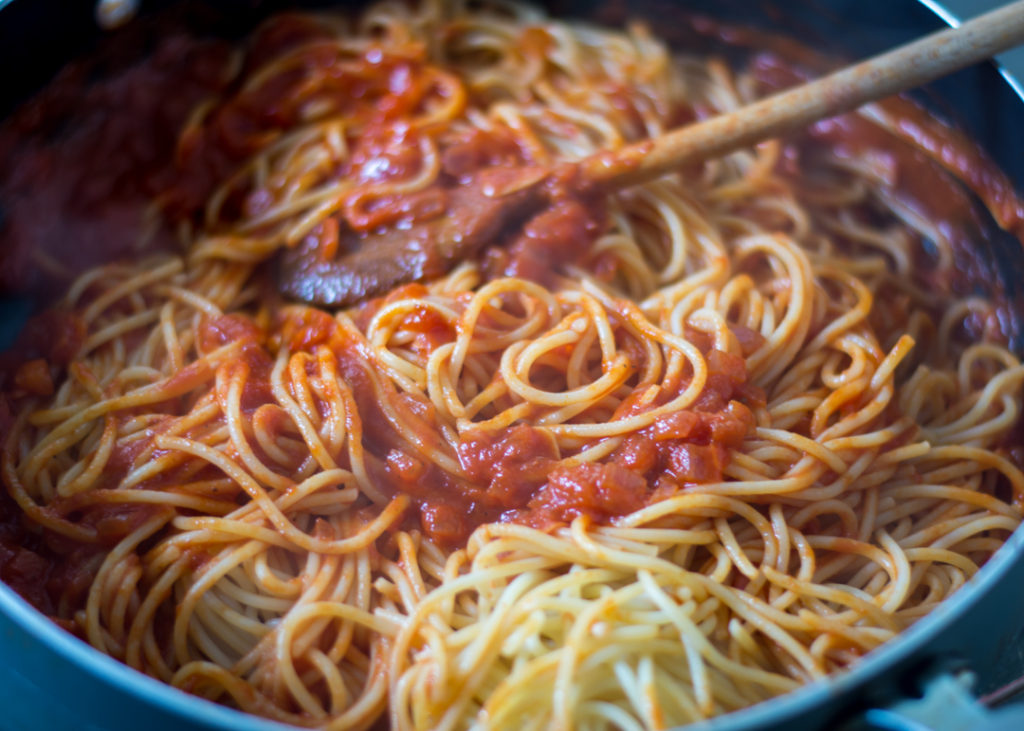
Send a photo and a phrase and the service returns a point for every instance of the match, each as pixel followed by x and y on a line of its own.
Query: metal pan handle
pixel 954 12
pixel 946 704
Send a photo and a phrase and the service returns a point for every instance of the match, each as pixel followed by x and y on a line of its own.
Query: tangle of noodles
pixel 708 439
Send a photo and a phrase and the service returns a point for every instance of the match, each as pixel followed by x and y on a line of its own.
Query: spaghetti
pixel 648 458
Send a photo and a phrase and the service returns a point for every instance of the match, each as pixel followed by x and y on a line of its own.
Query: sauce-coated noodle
pixel 649 458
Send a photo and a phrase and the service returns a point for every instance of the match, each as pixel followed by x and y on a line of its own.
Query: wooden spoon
pixel 374 264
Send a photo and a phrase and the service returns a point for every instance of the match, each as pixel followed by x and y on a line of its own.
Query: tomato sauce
pixel 52 572
pixel 52 338
pixel 517 473
pixel 82 163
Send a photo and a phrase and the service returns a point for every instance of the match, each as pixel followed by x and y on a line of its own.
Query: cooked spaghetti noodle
pixel 649 458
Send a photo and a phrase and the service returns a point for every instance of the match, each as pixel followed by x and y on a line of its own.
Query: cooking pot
pixel 49 679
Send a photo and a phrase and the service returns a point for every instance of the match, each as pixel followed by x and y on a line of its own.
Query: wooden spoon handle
pixel 898 70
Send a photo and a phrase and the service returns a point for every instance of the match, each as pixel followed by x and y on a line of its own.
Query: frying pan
pixel 49 679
